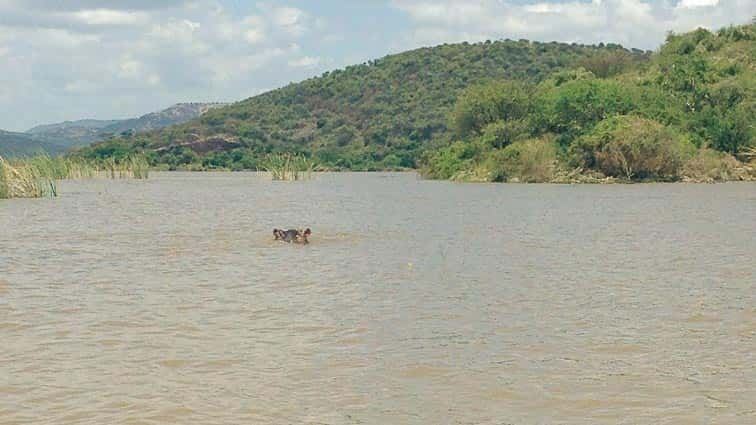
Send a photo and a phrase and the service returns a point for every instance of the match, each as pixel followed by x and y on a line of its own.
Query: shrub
pixel 710 165
pixel 502 133
pixel 447 162
pixel 528 161
pixel 634 148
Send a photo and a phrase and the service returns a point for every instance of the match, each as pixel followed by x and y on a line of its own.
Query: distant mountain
pixel 176 114
pixel 69 134
pixel 47 128
pixel 19 144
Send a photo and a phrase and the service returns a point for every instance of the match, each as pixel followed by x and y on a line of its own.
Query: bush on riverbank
pixel 447 163
pixel 527 161
pixel 633 148
pixel 709 165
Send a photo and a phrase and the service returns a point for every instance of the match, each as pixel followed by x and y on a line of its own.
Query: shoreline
pixel 564 180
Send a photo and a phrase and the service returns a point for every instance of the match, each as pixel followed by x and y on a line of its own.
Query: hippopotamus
pixel 292 235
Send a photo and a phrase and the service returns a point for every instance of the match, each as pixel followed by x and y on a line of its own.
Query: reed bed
pixel 24 180
pixel 61 168
pixel 36 176
pixel 132 167
pixel 289 167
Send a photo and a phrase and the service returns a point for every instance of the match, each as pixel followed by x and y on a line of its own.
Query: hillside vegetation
pixel 380 115
pixel 687 114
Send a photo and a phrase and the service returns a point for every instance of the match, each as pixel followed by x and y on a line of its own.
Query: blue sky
pixel 73 59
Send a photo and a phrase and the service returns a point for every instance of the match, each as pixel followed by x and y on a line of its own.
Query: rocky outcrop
pixel 203 145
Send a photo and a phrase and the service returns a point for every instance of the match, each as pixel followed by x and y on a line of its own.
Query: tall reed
pixel 4 189
pixel 289 167
pixel 134 166
pixel 24 179
pixel 59 167
pixel 34 177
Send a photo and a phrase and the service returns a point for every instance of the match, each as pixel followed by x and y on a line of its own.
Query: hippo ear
pixel 308 232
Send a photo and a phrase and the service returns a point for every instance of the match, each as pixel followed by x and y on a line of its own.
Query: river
pixel 416 302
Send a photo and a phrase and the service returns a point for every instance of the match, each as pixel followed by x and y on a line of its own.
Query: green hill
pixel 379 115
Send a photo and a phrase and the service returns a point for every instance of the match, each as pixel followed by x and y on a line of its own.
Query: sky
pixel 110 59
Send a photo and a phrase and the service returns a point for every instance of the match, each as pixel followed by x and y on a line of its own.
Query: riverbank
pixel 543 161
pixel 740 173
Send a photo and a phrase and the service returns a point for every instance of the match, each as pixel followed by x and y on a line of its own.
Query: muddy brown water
pixel 417 302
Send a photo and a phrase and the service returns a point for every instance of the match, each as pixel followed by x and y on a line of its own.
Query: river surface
pixel 166 301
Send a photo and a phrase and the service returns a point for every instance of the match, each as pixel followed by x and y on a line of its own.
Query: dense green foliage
pixel 379 115
pixel 698 92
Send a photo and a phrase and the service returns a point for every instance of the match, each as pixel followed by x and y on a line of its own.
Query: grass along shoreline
pixel 36 176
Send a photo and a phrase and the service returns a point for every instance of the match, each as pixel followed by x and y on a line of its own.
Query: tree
pixel 576 106
pixel 486 104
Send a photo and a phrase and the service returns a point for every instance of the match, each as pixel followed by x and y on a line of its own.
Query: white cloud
pixel 692 4
pixel 449 12
pixel 175 30
pixel 81 87
pixel 290 20
pixel 61 38
pixel 253 29
pixel 109 17
pixel 228 70
pixel 634 23
pixel 131 69
pixel 254 36
pixel 153 79
pixel 111 58
pixel 305 62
